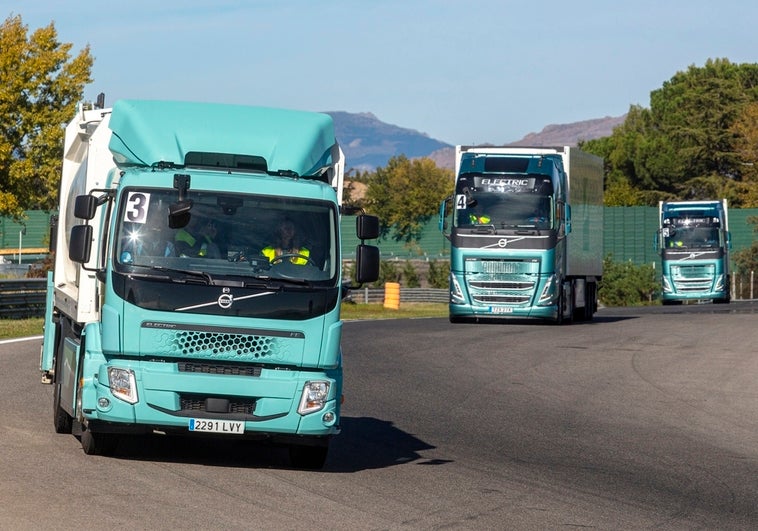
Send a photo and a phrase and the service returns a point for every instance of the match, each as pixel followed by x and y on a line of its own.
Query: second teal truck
pixel 693 240
pixel 164 314
pixel 526 233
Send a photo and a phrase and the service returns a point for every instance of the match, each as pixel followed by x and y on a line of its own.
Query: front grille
pixel 494 289
pixel 501 299
pixel 197 403
pixel 500 284
pixel 193 342
pixel 693 279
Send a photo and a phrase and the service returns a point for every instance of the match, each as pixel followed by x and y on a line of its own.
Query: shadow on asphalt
pixel 365 443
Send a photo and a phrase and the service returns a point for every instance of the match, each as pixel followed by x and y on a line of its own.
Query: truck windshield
pixel 229 236
pixel 504 202
pixel 691 233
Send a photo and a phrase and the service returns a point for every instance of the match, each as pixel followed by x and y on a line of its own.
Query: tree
pixel 406 194
pixel 40 86
pixel 688 144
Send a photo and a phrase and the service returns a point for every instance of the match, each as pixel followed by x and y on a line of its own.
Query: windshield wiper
pixel 285 280
pixel 202 276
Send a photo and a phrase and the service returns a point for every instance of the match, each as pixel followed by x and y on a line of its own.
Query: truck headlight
pixel 123 384
pixel 456 293
pixel 719 283
pixel 549 293
pixel 315 395
pixel 666 285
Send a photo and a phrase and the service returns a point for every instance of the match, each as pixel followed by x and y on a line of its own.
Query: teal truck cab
pixel 164 315
pixel 693 240
pixel 526 233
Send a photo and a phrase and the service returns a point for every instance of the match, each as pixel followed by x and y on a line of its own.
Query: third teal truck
pixel 693 240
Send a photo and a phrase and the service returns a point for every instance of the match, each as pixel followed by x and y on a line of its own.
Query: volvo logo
pixel 502 242
pixel 226 299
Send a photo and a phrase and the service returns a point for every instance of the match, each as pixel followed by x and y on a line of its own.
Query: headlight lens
pixel 549 293
pixel 456 293
pixel 315 395
pixel 123 384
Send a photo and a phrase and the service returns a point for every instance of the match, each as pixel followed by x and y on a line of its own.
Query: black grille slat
pixel 197 403
pixel 219 368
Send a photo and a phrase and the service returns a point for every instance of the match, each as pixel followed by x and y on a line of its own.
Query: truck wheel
pixel 308 457
pixel 98 443
pixel 62 421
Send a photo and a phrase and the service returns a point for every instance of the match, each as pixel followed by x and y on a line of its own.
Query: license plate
pixel 231 427
pixel 500 309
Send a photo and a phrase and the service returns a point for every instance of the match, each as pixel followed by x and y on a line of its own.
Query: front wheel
pixel 308 457
pixel 98 443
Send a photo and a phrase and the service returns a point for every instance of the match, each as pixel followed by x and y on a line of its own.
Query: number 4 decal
pixel 136 207
pixel 460 201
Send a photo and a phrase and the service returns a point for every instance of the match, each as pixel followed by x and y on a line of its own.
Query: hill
pixel 369 143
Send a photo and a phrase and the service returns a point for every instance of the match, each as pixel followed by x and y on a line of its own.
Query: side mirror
pixel 367 227
pixel 366 263
pixel 85 206
pixel 444 208
pixel 179 214
pixel 81 243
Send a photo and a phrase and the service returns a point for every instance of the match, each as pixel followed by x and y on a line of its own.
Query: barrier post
pixel 392 295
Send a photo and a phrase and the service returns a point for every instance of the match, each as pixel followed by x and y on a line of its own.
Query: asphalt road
pixel 644 418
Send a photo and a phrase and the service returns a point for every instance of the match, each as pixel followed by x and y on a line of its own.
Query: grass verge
pixel 405 311
pixel 13 328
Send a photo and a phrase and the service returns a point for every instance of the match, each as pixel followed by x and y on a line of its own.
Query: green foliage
pixel 439 274
pixel 406 194
pixel 625 284
pixel 40 86
pixel 696 141
pixel 411 277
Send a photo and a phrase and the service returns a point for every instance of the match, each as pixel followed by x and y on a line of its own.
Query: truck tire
pixel 62 421
pixel 308 457
pixel 98 443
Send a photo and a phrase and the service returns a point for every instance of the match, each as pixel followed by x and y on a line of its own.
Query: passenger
pixel 198 239
pixel 287 245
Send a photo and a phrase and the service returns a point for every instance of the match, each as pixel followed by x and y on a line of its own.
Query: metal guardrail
pixel 367 295
pixel 26 297
pixel 22 298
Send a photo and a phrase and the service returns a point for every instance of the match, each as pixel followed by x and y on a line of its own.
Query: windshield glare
pixel 229 235
pixel 504 201
pixel 505 210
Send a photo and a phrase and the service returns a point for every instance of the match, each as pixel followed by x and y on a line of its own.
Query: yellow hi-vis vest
pixel 272 252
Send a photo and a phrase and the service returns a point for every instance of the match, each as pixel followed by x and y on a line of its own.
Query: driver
pixel 287 245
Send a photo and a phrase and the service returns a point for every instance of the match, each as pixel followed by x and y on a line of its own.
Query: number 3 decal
pixel 136 207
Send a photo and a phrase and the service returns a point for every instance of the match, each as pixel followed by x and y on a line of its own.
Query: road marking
pixel 7 341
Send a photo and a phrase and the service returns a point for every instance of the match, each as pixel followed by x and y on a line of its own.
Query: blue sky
pixel 463 72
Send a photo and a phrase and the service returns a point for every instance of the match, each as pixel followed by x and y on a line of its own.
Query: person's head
pixel 205 226
pixel 286 231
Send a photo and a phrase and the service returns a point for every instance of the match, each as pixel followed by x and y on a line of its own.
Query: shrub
pixel 410 276
pixel 625 284
pixel 439 273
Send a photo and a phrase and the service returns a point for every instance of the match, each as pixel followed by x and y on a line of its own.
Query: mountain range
pixel 369 143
